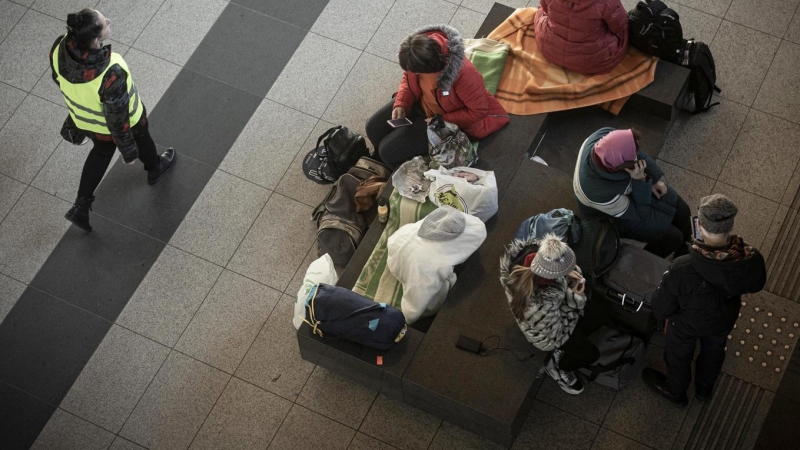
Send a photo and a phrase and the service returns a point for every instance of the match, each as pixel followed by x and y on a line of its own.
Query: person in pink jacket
pixel 585 36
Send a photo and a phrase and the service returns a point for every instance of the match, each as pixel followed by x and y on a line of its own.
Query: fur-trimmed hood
pixel 454 49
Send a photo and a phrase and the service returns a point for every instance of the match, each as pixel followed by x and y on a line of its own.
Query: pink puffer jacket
pixel 585 36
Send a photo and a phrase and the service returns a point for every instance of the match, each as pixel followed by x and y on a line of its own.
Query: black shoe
pixel 657 381
pixel 703 392
pixel 79 213
pixel 166 161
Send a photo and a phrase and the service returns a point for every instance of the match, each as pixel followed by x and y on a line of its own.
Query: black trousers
pixel 579 351
pixel 679 353
pixel 103 151
pixel 673 240
pixel 394 146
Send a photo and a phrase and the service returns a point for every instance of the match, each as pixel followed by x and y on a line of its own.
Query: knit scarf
pixel 736 249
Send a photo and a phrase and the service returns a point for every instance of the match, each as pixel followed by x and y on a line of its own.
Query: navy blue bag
pixel 340 312
pixel 559 221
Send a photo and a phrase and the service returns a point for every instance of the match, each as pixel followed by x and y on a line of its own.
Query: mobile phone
pixel 397 123
pixel 696 229
pixel 627 165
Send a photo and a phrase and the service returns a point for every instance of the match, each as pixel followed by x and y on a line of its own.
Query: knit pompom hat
pixel 443 224
pixel 554 259
pixel 716 214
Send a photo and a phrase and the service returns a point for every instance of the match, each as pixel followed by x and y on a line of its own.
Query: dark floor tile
pixel 45 343
pixel 241 49
pixel 98 271
pixel 201 117
pixel 302 13
pixel 22 417
pixel 157 211
pixel 780 427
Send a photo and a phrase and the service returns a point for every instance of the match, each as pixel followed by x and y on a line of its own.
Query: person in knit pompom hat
pixel 545 290
pixel 615 178
pixel 700 297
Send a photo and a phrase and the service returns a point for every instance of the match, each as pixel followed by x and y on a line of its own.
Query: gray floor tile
pixel 115 378
pixel 411 428
pixel 793 33
pixel 405 17
pixel 267 145
pixel 245 417
pixel 755 213
pixel 12 190
pixel 548 427
pixel 758 341
pixel 696 24
pixel 10 291
pixel 369 86
pixel 300 13
pixel 467 22
pixel 715 7
pixel 769 16
pixel 10 99
pixel 294 183
pixel 67 432
pixel 451 437
pixel 591 405
pixel 303 70
pixel 152 75
pixel 691 186
pixel 608 440
pixel 352 22
pixel 128 19
pixel 169 296
pixel 124 444
pixel 274 362
pixel 192 17
pixel 338 398
pixel 220 218
pixel 61 174
pixel 46 89
pixel 12 12
pixel 762 169
pixel 34 34
pixel 363 442
pixel 299 276
pixel 276 244
pixel 294 432
pixel 228 321
pixel 702 143
pixel 178 400
pixel 30 232
pixel 26 146
pixel 742 57
pixel 779 95
pixel 483 6
pixel 793 188
pixel 768 246
pixel 60 8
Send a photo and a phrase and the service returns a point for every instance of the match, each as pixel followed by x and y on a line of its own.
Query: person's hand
pixel 659 189
pixel 131 163
pixel 428 120
pixel 579 283
pixel 637 173
pixel 398 113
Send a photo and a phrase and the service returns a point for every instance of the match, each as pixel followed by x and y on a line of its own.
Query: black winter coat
pixel 702 296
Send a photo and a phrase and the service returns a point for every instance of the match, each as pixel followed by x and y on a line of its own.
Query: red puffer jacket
pixel 585 36
pixel 460 92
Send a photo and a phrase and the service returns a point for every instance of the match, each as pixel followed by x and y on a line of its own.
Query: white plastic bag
pixel 469 190
pixel 320 271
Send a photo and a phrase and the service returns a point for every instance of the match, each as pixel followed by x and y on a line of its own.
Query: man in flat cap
pixel 700 295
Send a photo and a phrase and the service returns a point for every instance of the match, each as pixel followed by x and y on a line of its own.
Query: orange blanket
pixel 532 85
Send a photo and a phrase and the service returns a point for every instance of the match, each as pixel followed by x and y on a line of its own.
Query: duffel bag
pixel 621 359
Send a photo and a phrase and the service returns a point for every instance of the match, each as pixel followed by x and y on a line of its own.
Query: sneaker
pixel 79 213
pixel 567 381
pixel 657 381
pixel 166 161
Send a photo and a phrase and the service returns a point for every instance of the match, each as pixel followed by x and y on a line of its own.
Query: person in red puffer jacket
pixel 586 36
pixel 437 79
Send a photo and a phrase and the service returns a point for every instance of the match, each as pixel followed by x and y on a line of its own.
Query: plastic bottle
pixel 383 211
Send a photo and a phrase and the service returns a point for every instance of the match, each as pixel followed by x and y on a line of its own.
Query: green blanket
pixel 376 281
pixel 489 57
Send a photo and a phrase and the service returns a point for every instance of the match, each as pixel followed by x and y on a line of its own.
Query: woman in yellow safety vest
pixel 103 105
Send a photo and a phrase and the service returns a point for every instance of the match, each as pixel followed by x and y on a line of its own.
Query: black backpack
pixel 656 30
pixel 339 227
pixel 702 79
pixel 337 150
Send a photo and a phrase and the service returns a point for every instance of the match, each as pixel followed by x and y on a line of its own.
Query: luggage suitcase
pixel 621 359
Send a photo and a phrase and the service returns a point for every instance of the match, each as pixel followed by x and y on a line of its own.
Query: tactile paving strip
pixel 783 263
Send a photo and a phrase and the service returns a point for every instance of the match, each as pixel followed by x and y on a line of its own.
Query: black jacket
pixel 702 296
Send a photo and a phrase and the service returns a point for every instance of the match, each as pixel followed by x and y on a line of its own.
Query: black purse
pixel 342 149
pixel 71 133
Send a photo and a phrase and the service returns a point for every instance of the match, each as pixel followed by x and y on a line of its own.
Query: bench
pixel 492 395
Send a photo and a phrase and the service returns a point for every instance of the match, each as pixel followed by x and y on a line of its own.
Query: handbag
pixel 71 133
pixel 337 150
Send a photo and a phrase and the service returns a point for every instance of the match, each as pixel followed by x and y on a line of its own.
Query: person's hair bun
pixel 74 19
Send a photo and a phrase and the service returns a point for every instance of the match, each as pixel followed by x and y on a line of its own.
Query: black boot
pixel 657 381
pixel 79 213
pixel 166 161
pixel 703 392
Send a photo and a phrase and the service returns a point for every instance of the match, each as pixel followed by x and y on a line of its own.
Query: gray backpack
pixel 621 358
pixel 339 227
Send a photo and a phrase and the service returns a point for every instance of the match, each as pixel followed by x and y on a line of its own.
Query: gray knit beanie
pixel 554 259
pixel 443 224
pixel 716 214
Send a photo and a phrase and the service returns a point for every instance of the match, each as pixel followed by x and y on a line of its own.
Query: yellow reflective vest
pixel 83 100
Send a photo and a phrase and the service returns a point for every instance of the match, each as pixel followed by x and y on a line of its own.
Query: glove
pixel 130 153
